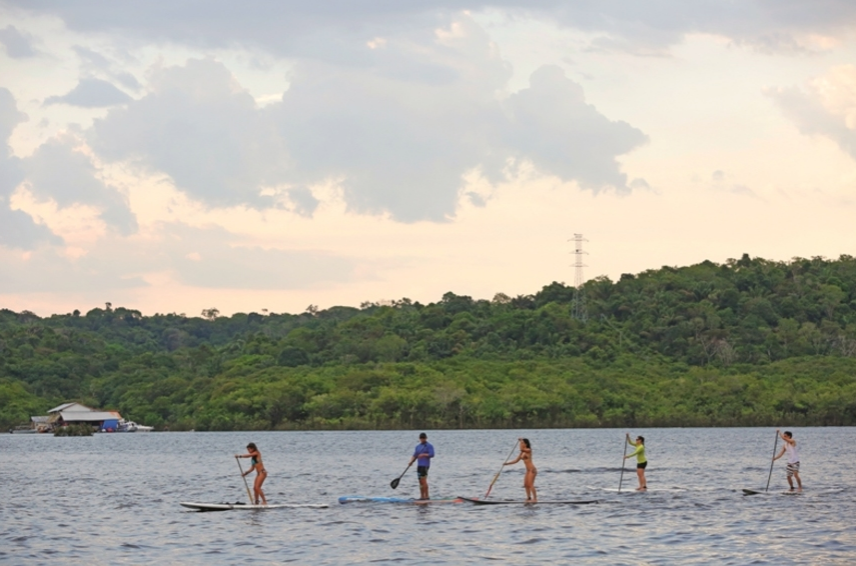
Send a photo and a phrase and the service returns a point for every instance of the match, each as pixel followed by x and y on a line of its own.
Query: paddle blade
pixel 394 483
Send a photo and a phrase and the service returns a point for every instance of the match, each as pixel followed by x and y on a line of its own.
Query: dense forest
pixel 747 342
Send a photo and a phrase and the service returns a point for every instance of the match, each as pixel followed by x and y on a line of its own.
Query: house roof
pixel 38 420
pixel 70 407
pixel 88 416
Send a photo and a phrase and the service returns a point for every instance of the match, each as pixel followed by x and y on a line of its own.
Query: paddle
pixel 623 461
pixel 496 477
pixel 775 444
pixel 394 483
pixel 243 477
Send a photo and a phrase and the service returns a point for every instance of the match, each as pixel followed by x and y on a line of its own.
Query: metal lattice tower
pixel 579 312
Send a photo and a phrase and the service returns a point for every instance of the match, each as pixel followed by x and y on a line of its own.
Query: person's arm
pixel 630 442
pixel 519 457
pixel 782 453
pixel 635 452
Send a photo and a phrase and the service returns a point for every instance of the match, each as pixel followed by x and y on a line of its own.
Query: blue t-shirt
pixel 425 449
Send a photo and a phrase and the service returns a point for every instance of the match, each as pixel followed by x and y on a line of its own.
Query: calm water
pixel 113 498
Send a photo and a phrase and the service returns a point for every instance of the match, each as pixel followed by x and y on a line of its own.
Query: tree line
pixel 746 342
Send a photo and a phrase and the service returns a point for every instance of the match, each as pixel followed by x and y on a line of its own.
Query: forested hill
pixel 749 342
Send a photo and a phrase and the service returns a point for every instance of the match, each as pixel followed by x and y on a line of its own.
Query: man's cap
pixel 423 435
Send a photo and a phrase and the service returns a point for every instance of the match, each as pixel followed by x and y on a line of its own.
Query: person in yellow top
pixel 641 461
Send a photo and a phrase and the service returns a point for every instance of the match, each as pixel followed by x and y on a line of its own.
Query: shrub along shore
pixel 750 342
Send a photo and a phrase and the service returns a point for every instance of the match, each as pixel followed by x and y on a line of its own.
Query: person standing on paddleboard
pixel 531 471
pixel 641 460
pixel 422 454
pixel 793 467
pixel 257 465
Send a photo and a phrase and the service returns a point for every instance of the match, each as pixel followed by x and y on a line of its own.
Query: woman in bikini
pixel 257 465
pixel 531 471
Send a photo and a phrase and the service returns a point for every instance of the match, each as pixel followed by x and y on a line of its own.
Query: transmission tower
pixel 579 312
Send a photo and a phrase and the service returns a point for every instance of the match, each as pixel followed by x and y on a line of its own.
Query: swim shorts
pixel 642 466
pixel 793 468
pixel 421 471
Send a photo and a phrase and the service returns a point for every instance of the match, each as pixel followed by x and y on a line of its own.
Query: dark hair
pixel 252 446
pixel 526 442
pixel 788 434
pixel 423 435
pixel 642 438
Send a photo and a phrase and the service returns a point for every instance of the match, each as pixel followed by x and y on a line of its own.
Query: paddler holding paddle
pixel 790 448
pixel 641 460
pixel 257 465
pixel 422 454
pixel 531 471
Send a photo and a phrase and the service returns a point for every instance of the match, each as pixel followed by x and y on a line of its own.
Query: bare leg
pixel 791 480
pixel 257 488
pixel 640 473
pixel 423 488
pixel 532 486
pixel 529 484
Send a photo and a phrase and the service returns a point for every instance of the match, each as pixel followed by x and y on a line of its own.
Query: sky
pixel 271 155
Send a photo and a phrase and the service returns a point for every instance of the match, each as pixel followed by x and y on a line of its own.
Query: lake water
pixel 113 498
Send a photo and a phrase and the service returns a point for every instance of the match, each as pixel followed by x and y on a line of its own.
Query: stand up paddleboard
pixel 245 507
pixel 364 499
pixel 753 492
pixel 507 502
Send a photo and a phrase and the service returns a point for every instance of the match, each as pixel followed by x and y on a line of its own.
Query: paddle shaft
pixel 394 483
pixel 770 475
pixel 623 461
pixel 496 477
pixel 243 477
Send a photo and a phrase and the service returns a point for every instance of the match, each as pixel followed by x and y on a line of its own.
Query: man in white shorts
pixel 790 448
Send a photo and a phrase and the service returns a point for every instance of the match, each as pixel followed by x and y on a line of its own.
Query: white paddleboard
pixel 245 507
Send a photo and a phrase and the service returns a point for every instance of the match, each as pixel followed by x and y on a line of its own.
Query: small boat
pixel 23 429
pixel 131 426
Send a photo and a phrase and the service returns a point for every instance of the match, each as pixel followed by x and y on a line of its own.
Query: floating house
pixel 76 413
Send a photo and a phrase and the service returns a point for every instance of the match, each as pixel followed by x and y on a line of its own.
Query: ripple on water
pixel 693 514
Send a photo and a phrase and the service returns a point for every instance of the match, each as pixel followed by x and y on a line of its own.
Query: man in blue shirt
pixel 422 454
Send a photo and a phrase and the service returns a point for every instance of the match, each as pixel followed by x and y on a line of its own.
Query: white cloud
pixel 314 30
pixel 826 106
pixel 562 135
pixel 195 257
pixel 17 228
pixel 198 126
pixel 60 170
pixel 91 93
pixel 398 134
pixel 18 44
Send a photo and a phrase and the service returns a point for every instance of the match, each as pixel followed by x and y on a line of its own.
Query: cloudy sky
pixel 175 156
